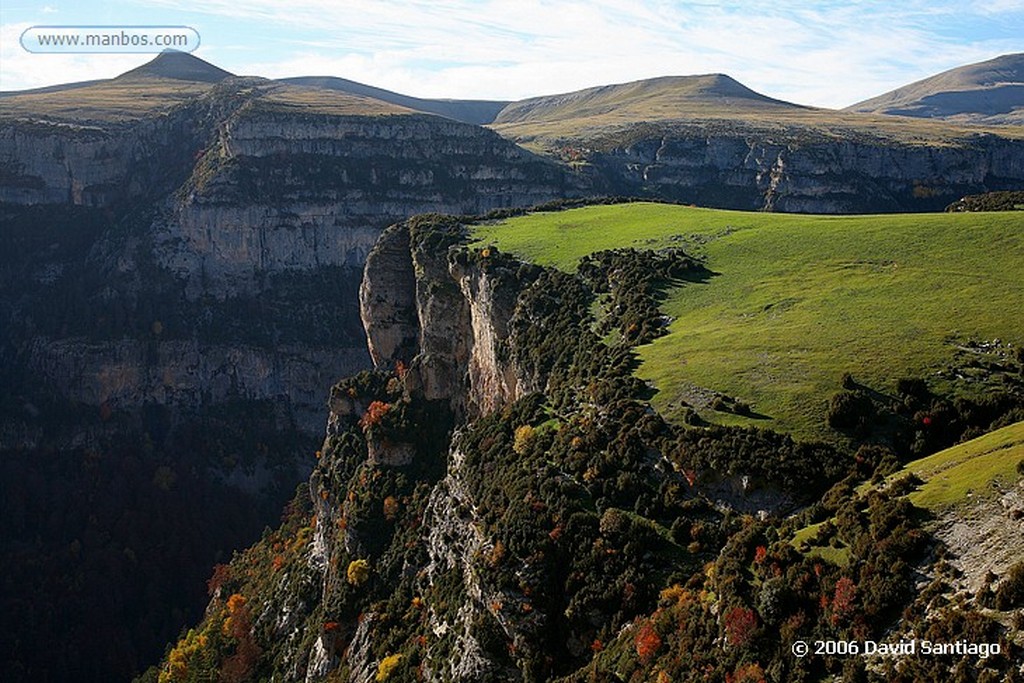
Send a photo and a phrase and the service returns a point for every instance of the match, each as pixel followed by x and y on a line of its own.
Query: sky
pixel 827 54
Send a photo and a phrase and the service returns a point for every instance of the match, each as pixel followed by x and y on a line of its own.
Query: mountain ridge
pixel 468 111
pixel 676 90
pixel 988 92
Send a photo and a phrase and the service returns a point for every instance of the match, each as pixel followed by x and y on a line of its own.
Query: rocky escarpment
pixel 847 174
pixel 241 224
pixel 709 140
pixel 291 191
pixel 202 265
pixel 439 320
pixel 444 318
pixel 49 162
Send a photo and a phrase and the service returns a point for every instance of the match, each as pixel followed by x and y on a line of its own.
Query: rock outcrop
pixel 850 175
pixel 231 201
pixel 445 316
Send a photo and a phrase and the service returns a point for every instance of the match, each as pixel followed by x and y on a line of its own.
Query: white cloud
pixel 816 53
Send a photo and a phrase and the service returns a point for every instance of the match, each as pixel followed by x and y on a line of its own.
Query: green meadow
pixel 967 471
pixel 951 480
pixel 798 300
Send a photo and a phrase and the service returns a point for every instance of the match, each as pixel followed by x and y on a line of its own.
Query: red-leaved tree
pixel 647 642
pixel 375 412
pixel 740 624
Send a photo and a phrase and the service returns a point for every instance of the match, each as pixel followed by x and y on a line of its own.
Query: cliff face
pixel 47 162
pixel 284 191
pixel 854 174
pixel 187 284
pixel 445 318
pixel 227 207
pixel 442 314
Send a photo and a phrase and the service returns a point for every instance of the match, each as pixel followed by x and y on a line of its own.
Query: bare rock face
pixel 853 174
pixel 454 542
pixel 181 372
pixel 277 192
pixel 387 299
pixel 445 317
pixel 248 223
pixel 47 162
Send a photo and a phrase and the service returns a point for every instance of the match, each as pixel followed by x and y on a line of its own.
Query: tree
pixel 842 602
pixel 374 414
pixel 647 642
pixel 740 624
pixel 358 572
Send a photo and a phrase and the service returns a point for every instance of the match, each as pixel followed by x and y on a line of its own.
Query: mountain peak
pixel 179 66
pixel 658 98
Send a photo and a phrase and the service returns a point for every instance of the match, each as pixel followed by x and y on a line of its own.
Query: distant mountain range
pixel 988 93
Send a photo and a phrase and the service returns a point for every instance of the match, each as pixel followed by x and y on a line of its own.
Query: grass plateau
pixel 799 300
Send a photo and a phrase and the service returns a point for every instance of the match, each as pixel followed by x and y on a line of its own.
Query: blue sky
pixel 827 54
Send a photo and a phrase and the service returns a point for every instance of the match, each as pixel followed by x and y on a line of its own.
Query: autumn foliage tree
pixel 647 642
pixel 221 575
pixel 524 436
pixel 238 625
pixel 740 624
pixel 358 572
pixel 842 601
pixel 374 414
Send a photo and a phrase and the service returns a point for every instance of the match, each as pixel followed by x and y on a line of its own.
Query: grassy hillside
pixel 987 92
pixel 611 116
pixel 467 111
pixel 153 88
pixel 968 470
pixel 956 483
pixel 113 100
pixel 799 300
pixel 650 99
pixel 171 79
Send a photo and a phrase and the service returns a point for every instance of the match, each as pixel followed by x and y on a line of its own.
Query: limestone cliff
pixel 439 322
pixel 853 173
pixel 445 315
pixel 230 214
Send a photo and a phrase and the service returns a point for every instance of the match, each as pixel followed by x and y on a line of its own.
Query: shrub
pixel 849 410
pixel 647 642
pixel 358 572
pixel 375 412
pixel 524 436
pixel 1010 593
pixel 388 665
